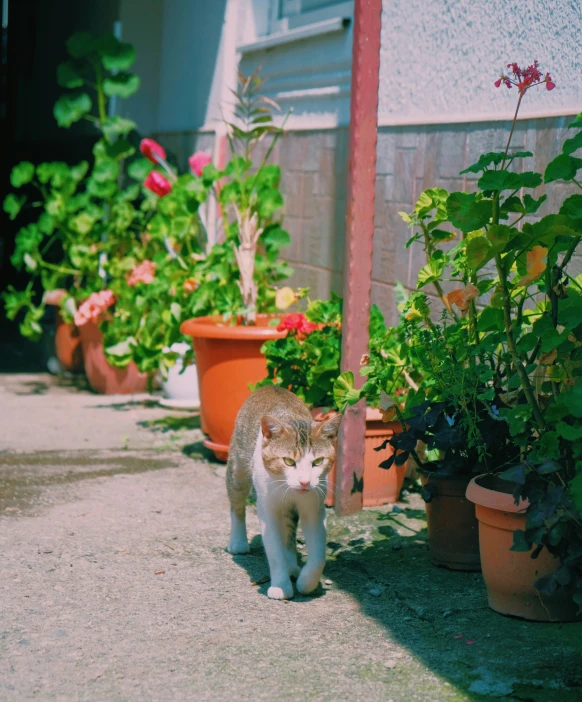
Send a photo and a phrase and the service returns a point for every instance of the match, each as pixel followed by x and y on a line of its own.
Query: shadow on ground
pixel 381 559
pixel 442 617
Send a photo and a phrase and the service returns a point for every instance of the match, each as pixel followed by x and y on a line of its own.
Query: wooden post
pixel 359 242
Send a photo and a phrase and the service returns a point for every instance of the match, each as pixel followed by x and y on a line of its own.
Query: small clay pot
pixel 453 530
pixel 104 378
pixel 68 345
pixel 510 575
pixel 381 487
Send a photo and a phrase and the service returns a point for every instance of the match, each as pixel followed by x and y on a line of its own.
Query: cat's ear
pixel 271 427
pixel 329 429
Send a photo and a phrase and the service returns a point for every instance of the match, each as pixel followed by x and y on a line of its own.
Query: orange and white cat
pixel 278 447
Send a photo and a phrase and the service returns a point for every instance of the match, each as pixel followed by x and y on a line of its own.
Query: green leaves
pixel 122 84
pixel 276 238
pixel 431 272
pixel 572 206
pixel 576 490
pixel 118 125
pixel 69 74
pixel 563 167
pixel 71 108
pixel 468 212
pixel 573 144
pixel 21 174
pixel 139 169
pixel 270 201
pixel 12 205
pixel 506 180
pixel 344 392
pixel 479 250
pixel 115 55
pixel 80 44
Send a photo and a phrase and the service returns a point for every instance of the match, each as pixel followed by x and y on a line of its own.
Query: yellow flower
pixel 284 298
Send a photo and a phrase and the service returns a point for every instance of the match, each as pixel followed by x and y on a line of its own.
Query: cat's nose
pixel 304 483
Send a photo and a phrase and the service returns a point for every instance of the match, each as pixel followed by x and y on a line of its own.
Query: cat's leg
pixel 313 525
pixel 291 542
pixel 273 531
pixel 238 486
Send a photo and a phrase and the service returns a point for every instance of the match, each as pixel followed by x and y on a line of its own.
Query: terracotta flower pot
pixel 228 358
pixel 102 377
pixel 453 531
pixel 381 486
pixel 68 345
pixel 510 575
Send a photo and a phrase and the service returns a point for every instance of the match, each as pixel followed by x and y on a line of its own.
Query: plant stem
pixel 523 376
pixel 101 102
pixel 511 132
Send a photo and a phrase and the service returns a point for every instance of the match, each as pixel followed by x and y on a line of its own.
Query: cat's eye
pixel 288 461
pixel 318 461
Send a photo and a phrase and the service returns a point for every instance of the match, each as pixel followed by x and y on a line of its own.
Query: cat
pixel 279 448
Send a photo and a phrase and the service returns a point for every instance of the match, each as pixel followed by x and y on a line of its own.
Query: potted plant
pixel 533 324
pixel 307 362
pixel 125 230
pixel 241 272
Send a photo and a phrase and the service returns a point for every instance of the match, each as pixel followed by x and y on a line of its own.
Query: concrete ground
pixel 115 583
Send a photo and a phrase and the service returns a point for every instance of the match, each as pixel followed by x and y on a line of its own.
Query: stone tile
pixel 404 175
pixel 385 152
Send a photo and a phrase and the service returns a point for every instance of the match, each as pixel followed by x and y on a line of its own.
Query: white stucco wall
pixel 440 57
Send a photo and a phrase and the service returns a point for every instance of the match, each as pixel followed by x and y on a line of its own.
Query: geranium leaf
pixel 515 474
pixel 71 108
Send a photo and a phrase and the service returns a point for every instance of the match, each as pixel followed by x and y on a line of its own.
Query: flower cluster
pixel 525 78
pixel 158 183
pixel 298 323
pixel 93 307
pixel 142 273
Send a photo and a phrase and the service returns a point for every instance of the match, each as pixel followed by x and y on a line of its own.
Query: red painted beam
pixel 359 242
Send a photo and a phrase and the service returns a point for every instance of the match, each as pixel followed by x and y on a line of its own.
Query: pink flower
pixel 93 307
pixel 198 160
pixel 157 184
pixel 150 149
pixel 143 273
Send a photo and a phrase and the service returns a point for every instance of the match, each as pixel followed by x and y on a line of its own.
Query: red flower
pixel 157 184
pixel 198 160
pixel 525 78
pixel 150 149
pixel 297 322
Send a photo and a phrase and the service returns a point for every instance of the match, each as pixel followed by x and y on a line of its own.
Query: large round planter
pixel 453 530
pixel 510 575
pixel 381 486
pixel 104 378
pixel 228 359
pixel 68 345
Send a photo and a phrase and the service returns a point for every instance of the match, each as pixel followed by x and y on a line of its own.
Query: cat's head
pixel 301 452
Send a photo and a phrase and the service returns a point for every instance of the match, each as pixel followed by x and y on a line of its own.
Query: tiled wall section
pixel 410 159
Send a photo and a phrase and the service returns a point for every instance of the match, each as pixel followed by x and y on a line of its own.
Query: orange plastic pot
pixel 228 359
pixel 104 378
pixel 68 345
pixel 381 486
pixel 453 530
pixel 510 575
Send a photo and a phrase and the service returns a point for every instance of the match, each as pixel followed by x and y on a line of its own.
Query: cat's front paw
pixel 238 546
pixel 280 592
pixel 308 580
